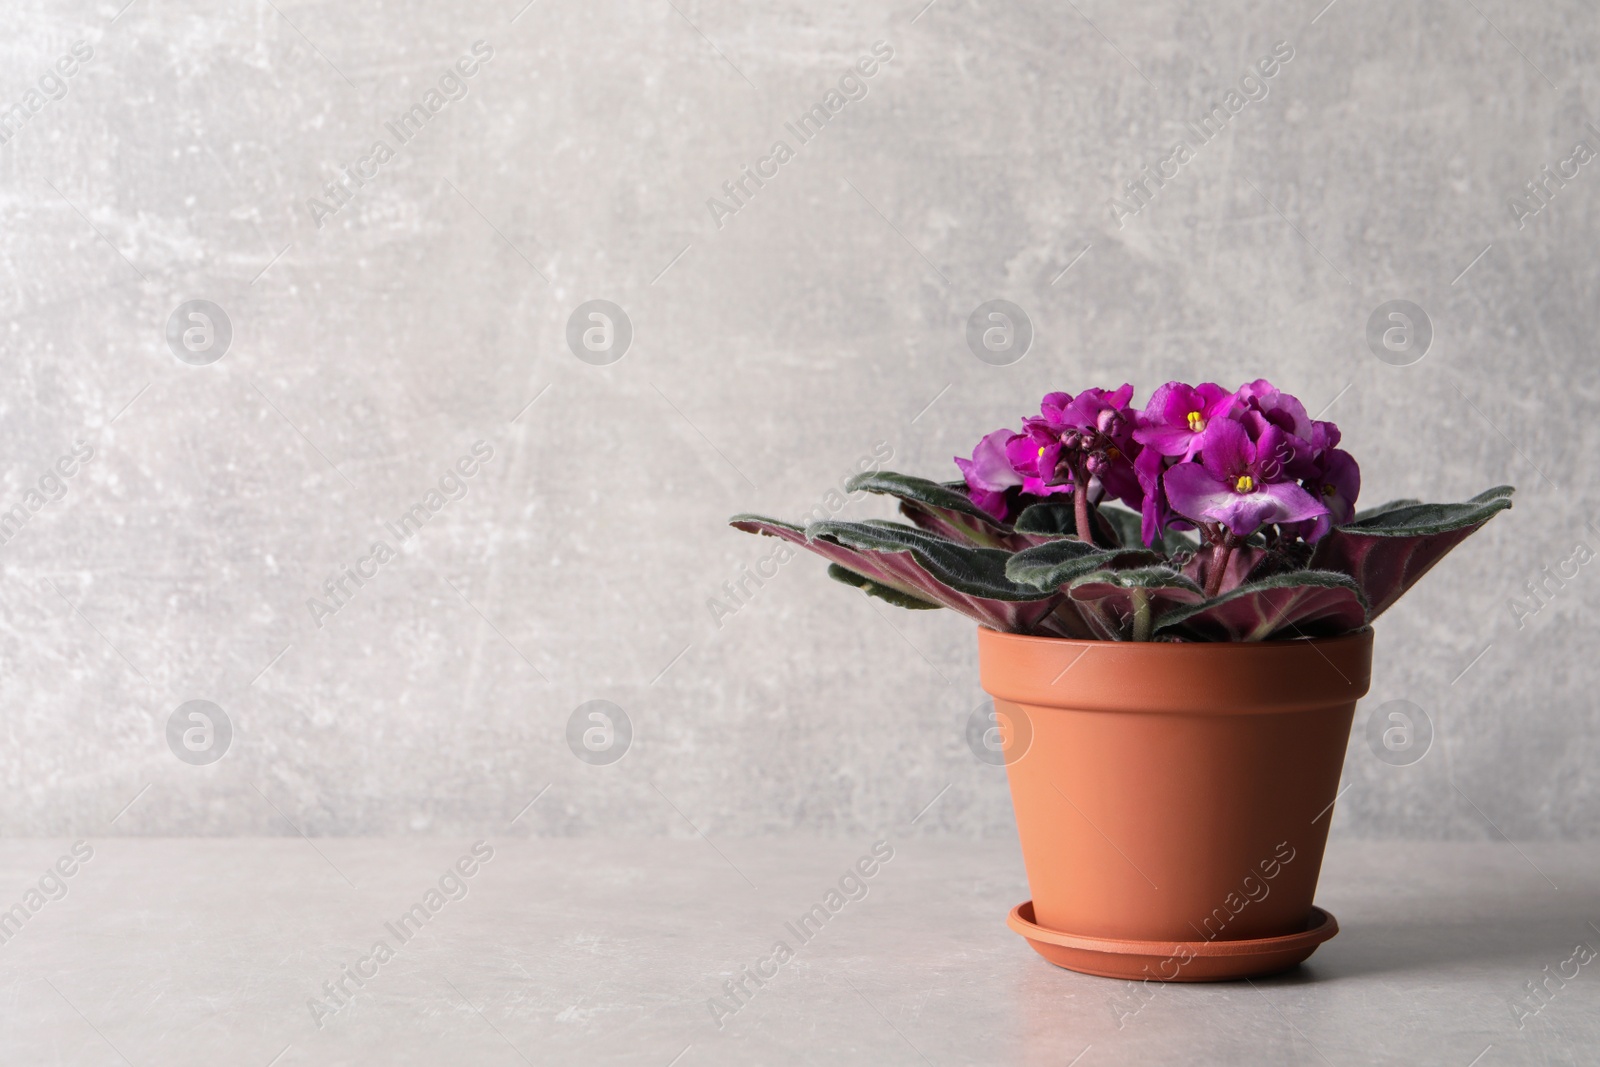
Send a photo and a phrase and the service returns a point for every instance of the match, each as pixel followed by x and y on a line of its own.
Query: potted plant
pixel 1174 608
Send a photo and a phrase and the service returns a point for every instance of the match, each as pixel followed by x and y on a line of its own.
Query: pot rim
pixel 1189 678
pixel 1365 632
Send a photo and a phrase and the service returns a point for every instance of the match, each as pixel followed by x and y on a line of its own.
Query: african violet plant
pixel 1237 523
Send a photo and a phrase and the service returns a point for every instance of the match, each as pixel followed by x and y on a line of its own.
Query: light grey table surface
pixel 210 951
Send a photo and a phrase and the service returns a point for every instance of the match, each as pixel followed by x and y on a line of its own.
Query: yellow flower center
pixel 1245 484
pixel 1328 490
pixel 1041 453
pixel 1197 422
pixel 1113 453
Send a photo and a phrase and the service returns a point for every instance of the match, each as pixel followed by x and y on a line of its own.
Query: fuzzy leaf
pixel 979 572
pixel 1046 521
pixel 966 579
pixel 869 567
pixel 1404 502
pixel 1111 601
pixel 1243 560
pixel 1055 519
pixel 1049 520
pixel 1055 563
pixel 942 508
pixel 1386 550
pixel 918 564
pixel 882 592
pixel 1114 526
pixel 1130 528
pixel 1176 541
pixel 947 496
pixel 1127 525
pixel 1298 604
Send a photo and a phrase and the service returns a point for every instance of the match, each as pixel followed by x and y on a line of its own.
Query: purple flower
pixel 1083 411
pixel 1239 482
pixel 1099 424
pixel 1277 407
pixel 1035 454
pixel 1052 406
pixel 1335 482
pixel 1259 404
pixel 1155 512
pixel 1324 435
pixel 1092 431
pixel 989 473
pixel 1178 414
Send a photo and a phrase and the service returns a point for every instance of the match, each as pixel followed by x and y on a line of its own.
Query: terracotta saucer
pixel 1173 961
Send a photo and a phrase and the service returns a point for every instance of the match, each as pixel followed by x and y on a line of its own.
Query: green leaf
pixel 1114 526
pixel 1053 518
pixel 1129 526
pixel 975 571
pixel 1047 519
pixel 1408 519
pixel 908 581
pixel 760 524
pixel 961 577
pixel 942 508
pixel 1121 605
pixel 1297 604
pixel 882 592
pixel 1388 550
pixel 1125 524
pixel 942 495
pixel 1404 502
pixel 1154 577
pixel 1055 563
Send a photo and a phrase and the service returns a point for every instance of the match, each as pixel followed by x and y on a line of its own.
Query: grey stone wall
pixel 380 331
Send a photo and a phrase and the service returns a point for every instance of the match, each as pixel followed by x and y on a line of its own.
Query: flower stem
pixel 1219 566
pixel 1080 505
pixel 1141 614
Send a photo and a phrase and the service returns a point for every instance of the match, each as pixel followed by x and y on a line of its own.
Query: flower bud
pixel 1096 462
pixel 1109 421
pixel 1071 439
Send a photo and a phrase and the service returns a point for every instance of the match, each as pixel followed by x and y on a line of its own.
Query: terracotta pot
pixel 1173 794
